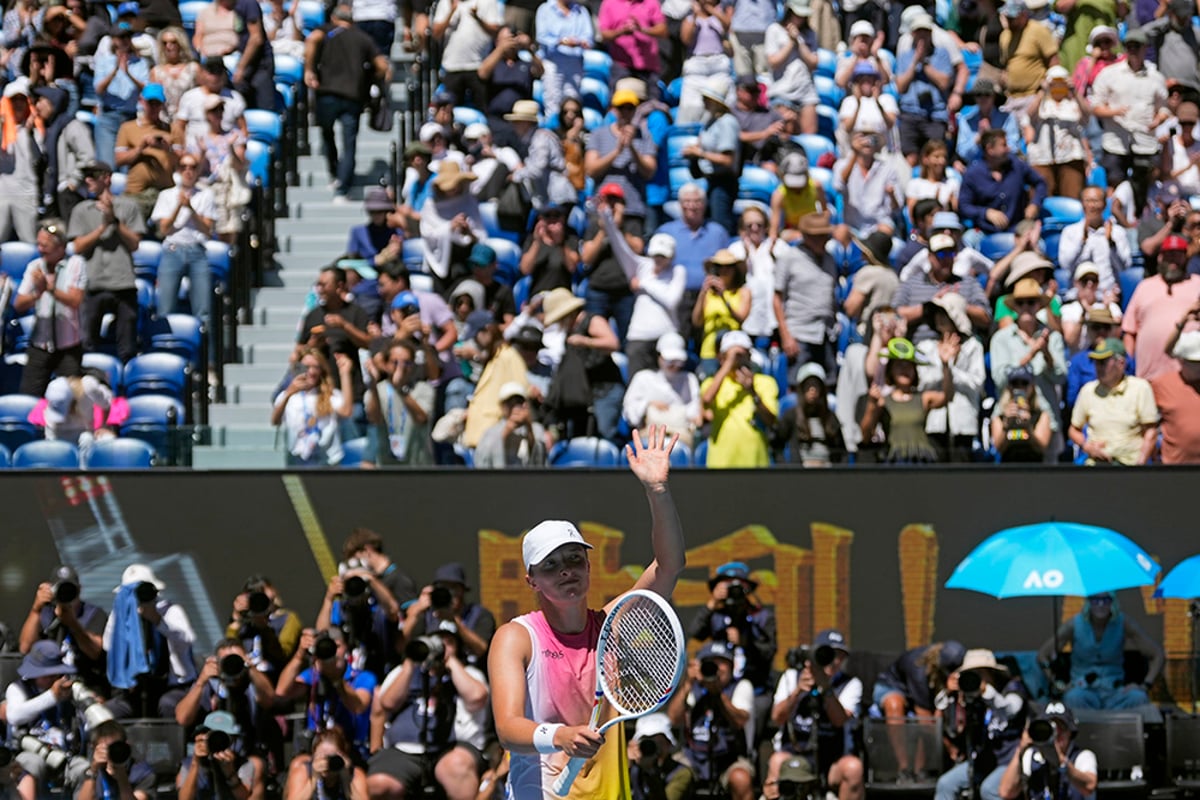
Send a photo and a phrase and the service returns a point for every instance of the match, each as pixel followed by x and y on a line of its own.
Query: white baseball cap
pixel 512 389
pixel 734 339
pixel 653 725
pixel 139 573
pixel 862 28
pixel 671 347
pixel 1188 346
pixel 544 538
pixel 17 86
pixel 1086 268
pixel 476 130
pixel 661 244
pixel 429 130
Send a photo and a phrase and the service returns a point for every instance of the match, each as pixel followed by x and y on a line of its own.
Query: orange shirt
pixel 1179 406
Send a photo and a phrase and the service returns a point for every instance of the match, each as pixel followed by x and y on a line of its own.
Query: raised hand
pixel 651 461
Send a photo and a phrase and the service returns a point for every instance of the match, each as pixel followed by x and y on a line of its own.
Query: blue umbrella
pixel 1053 559
pixel 1182 581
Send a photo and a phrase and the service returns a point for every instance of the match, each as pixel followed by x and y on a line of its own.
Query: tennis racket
pixel 639 661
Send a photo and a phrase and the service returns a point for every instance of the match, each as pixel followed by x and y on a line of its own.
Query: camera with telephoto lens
pixel 323 648
pixel 232 668
pixel 146 592
pixel 65 592
pixel 709 669
pixel 799 657
pixel 647 747
pixel 1041 731
pixel 440 598
pixel 259 603
pixel 218 741
pixel 89 705
pixel 119 752
pixel 735 595
pixel 55 757
pixel 425 650
pixel 970 683
pixel 335 763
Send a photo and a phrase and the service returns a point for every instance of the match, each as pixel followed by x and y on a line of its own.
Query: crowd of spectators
pixel 386 695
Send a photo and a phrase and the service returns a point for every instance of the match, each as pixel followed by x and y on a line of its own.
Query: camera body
pixel 799 657
pixel 428 651
pixel 65 591
pixel 324 648
pixel 146 592
pixel 233 668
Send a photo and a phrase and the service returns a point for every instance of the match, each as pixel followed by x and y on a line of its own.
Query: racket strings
pixel 641 658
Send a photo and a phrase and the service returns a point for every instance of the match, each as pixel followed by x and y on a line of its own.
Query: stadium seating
pixel 46 454
pixel 120 454
pixel 5 457
pixel 15 427
pixel 815 146
pixel 585 451
pixel 157 373
pixel 180 334
pixel 109 365
pixel 152 418
pixel 354 453
pixel 757 183
pixel 146 259
pixel 15 256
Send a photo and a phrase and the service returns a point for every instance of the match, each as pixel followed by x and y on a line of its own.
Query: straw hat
pixel 523 111
pixel 450 176
pixel 1026 289
pixel 558 303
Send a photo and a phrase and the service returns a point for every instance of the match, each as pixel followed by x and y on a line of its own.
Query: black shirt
pixel 336 339
pixel 606 273
pixel 550 266
pixel 345 63
pixel 509 83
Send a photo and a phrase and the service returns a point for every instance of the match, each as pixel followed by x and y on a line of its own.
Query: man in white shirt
pixel 184 215
pixel 1102 242
pixel 1040 763
pixel 1181 153
pixel 191 120
pixel 467 30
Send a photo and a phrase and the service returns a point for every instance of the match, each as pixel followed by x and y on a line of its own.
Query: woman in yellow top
pixel 723 304
pixel 795 197
pixel 741 405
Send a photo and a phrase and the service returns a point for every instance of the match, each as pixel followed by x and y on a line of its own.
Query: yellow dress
pixel 718 319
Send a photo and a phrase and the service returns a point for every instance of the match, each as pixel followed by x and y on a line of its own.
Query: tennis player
pixel 542 666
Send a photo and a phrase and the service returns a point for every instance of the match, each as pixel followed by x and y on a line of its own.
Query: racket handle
pixel 562 784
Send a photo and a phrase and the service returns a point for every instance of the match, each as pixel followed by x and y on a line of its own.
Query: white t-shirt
pixel 72 274
pixel 850 696
pixel 184 231
pixel 743 700
pixel 1085 761
pixel 311 436
pixel 792 81
pixel 870 115
pixel 466 42
pixel 470 727
pixel 191 111
pixel 942 191
pixel 1181 157
pixel 370 10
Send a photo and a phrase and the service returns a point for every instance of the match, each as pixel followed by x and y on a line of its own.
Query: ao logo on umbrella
pixel 1050 579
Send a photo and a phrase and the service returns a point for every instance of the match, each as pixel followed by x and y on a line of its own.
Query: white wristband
pixel 543 738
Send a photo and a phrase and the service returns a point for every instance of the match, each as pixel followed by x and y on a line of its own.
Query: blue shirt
pixel 367 240
pixel 753 16
pixel 1081 370
pixel 692 248
pixel 658 188
pixel 123 93
pixel 980 191
pixel 968 129
pixel 552 26
pixel 331 710
pixel 721 137
pixel 934 105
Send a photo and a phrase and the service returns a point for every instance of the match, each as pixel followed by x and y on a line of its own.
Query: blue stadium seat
pixel 264 126
pixel 312 15
pixel 1059 212
pixel 826 63
pixel 354 453
pixel 815 145
pixel 288 69
pixel 285 95
pixel 157 373
pixel 46 454
pixel 597 64
pixel 146 258
pixel 1098 176
pixel 585 451
pixel 120 454
pixel 151 419
pixel 700 454
pixel 86 117
pixel 677 142
pixel 674 92
pixel 595 94
pixel 678 176
pixel 1128 280
pixel 180 334
pixel 681 455
pixel 491 223
pixel 5 457
pixel 830 93
pixel 521 291
pixel 188 11
pixel 1050 245
pixel 827 122
pixel 109 365
pixel 16 336
pixel 15 427
pixel 592 118
pixel 219 261
pixel 14 257
pixel 787 402
pixel 117 186
pixel 508 260
pixel 996 245
pixel 757 183
pixel 259 156
pixel 465 115
pixel 412 253
pixel 539 94
pixel 848 259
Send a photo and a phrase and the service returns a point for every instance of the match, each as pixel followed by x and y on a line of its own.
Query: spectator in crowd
pixel 378 241
pixel 450 224
pixel 418 185
pixel 1102 47
pixel 66 146
pixel 1115 419
pixel 1027 263
pixel 704 33
pixel 120 76
pixel 510 362
pixel 1098 637
pixel 721 306
pixel 53 285
pixel 622 153
pixel 310 408
pixel 714 156
pixel 1173 38
pixel 805 305
pixel 333 327
pixel 792 58
pixel 491 164
pixel 150 670
pixel 497 298
pixel 78 410
pixel 510 77
pixel 989 113
pixel 796 196
pixel 863 44
pixel 953 428
pixel 466 30
pixel 74 627
pixel 1096 239
pixel 761 126
pixel 1036 767
pixel 221 153
pixel 552 255
pixel 573 136
pixel 999 189
pixel 759 251
pixel 875 283
pixel 190 120
pixel 921 287
pixel 20 191
pixel 739 405
pixel 933 181
pixel 1055 126
pixel 870 187
pixel 239 28
pixel 668 396
pixel 866 109
pixel 443 602
pixel 714 709
pixel 808 432
pixel 1101 324
pixel 1177 395
pixel 1027 53
pixel 132 778
pixel 184 215
pixel 1087 297
pixel 631 30
pixel 897 405
pixel 515 441
pixel 332 767
pixel 910 684
pixel 747 36
pixel 1158 303
pixel 1020 427
pixel 656 769
pixel 149 150
pixel 593 343
pixel 341 63
pixel 400 401
pixel 175 68
pixel 925 78
pixel 365 548
pixel 733 615
pixel 377 19
pixel 1130 99
pixel 105 231
pixel 543 169
pixel 696 240
pixel 564 32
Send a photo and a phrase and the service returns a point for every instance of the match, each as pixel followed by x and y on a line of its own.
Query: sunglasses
pixel 755 226
pixel 189 166
pixel 1089 280
pixel 946 253
pixel 1025 303
pixel 53 230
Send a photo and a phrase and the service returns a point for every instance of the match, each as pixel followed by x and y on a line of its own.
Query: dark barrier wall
pixel 866 551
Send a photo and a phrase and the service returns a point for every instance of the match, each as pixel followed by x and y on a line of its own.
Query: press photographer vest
pixel 91 670
pixel 426 719
pixel 1048 783
pixel 810 711
pixel 712 744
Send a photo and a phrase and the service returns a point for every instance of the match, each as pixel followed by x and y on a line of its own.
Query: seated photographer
pixel 909 686
pixel 330 774
pixel 1099 635
pixel 149 642
pixel 361 607
pixel 114 774
pixel 733 615
pixel 816 705
pixel 364 548
pixel 239 686
pixel 46 722
pixel 983 714
pixel 60 615
pixel 656 770
pixel 444 600
pixel 219 757
pixel 337 692
pixel 1047 756
pixel 413 722
pixel 715 711
pixel 268 632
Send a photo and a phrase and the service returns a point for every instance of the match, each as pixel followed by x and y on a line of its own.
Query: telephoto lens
pixel 219 741
pixel 65 592
pixel 232 667
pixel 355 586
pixel 709 669
pixel 259 602
pixel 119 752
pixel 440 597
pixel 970 682
pixel 1041 731
pixel 335 763
pixel 146 592
pixel 324 648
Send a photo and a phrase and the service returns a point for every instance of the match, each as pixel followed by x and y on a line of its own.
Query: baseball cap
pixel 1020 375
pixel 1173 243
pixel 444 98
pixel 671 347
pixel 942 241
pixel 1057 711
pixel 1014 8
pixel 430 130
pixel 65 574
pixel 921 23
pixel 952 656
pixel 656 724
pixel 17 86
pixel 1086 268
pixel 153 92
pixel 831 637
pixel 1058 73
pixel 544 538
pixel 476 130
pixel 95 167
pixel 139 573
pixel 734 339
pixel 453 571
pixel 1106 349
pixel 862 28
pixel 661 244
pixel 1188 346
pixel 512 389
pixel 796 770
pixel 222 721
pixel 406 301
pixel 946 220
pixel 624 97
pixel 59 398
pixel 612 190
pixel 807 370
pixel 715 650
pixel 865 69
pixel 482 255
pixel 1102 32
pixel 1136 36
pixel 131 8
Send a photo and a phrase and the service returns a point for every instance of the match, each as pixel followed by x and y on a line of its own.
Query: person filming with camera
pixel 114 773
pixel 444 600
pixel 218 768
pixel 359 605
pixel 413 731
pixel 656 770
pixel 60 614
pixel 816 705
pixel 983 712
pixel 1048 764
pixel 268 632
pixel 330 774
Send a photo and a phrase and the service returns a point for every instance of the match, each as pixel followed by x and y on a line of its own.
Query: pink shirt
pixel 1151 317
pixel 637 50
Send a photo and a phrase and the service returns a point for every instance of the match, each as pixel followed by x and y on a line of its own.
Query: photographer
pixel 232 683
pixel 330 775
pixel 816 706
pixel 267 631
pixel 59 614
pixel 152 670
pixel 338 693
pixel 364 548
pixel 44 721
pixel 358 603
pixel 114 774
pixel 218 768
pixel 715 711
pixel 1048 763
pixel 733 615
pixel 656 771
pixel 413 730
pixel 983 711
pixel 445 601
